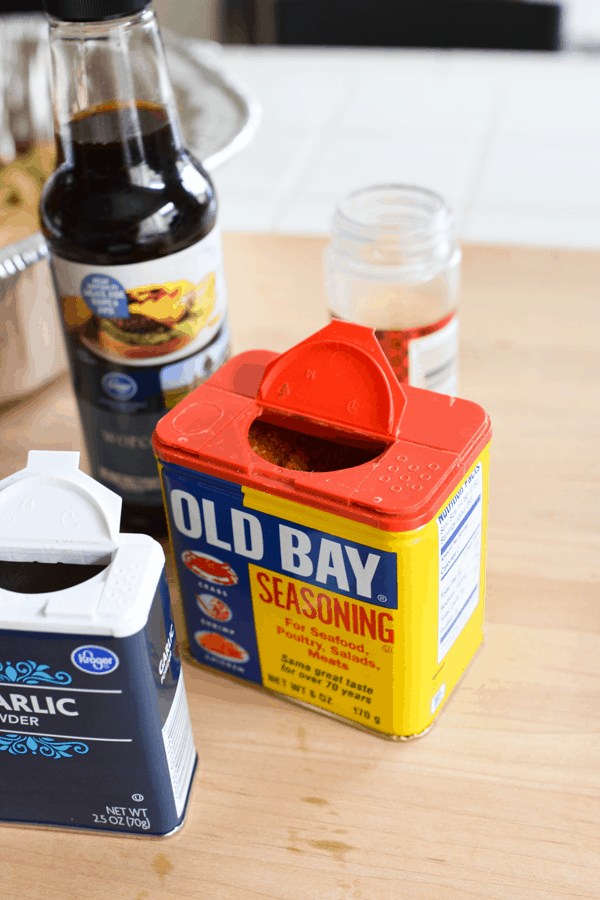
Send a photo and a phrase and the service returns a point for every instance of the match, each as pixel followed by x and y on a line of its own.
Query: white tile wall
pixel 533 229
pixel 553 104
pixel 512 141
pixel 405 103
pixel 581 22
pixel 442 163
pixel 538 176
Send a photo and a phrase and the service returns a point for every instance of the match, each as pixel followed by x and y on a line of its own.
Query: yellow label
pixel 327 650
pixel 373 626
pixel 410 682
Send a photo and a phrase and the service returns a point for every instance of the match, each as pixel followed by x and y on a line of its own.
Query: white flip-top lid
pixel 51 512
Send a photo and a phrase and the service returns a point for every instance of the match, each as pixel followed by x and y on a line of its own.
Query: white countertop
pixel 512 141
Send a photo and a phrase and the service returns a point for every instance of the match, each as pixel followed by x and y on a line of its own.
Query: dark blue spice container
pixel 94 725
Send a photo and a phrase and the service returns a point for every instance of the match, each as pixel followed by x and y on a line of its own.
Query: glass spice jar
pixel 393 264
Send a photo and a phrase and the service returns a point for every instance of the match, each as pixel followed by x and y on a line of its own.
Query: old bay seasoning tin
pixel 94 725
pixel 356 588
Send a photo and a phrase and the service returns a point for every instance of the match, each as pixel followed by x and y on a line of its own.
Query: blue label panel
pixel 215 587
pixel 215 538
pixel 105 296
pixel 79 750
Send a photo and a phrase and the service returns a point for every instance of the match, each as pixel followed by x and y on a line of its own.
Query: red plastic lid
pixel 338 381
pixel 336 377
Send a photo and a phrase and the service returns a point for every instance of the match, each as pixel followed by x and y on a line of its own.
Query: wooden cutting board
pixel 501 798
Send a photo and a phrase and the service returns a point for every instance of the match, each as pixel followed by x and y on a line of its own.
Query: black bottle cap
pixel 93 10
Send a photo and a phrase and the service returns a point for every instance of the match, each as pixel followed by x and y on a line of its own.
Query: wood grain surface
pixel 501 799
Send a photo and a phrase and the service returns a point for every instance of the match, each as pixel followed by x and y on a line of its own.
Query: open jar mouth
pixel 396 224
pixel 42 578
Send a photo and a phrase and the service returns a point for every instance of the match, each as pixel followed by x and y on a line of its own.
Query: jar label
pixel 425 357
pixel 166 307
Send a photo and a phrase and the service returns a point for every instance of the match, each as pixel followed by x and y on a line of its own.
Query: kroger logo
pixel 95 660
pixel 119 386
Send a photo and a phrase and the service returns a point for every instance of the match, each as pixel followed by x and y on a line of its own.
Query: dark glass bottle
pixel 130 218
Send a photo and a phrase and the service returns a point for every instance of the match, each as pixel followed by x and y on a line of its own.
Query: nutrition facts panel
pixel 459 530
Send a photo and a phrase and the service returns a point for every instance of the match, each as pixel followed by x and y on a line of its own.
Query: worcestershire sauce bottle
pixel 130 218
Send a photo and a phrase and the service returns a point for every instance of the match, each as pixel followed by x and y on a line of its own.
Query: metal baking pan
pixel 218 119
pixel 31 342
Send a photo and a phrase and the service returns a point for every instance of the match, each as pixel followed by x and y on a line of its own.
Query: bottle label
pixel 140 338
pixel 120 406
pixel 166 307
pixel 425 357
